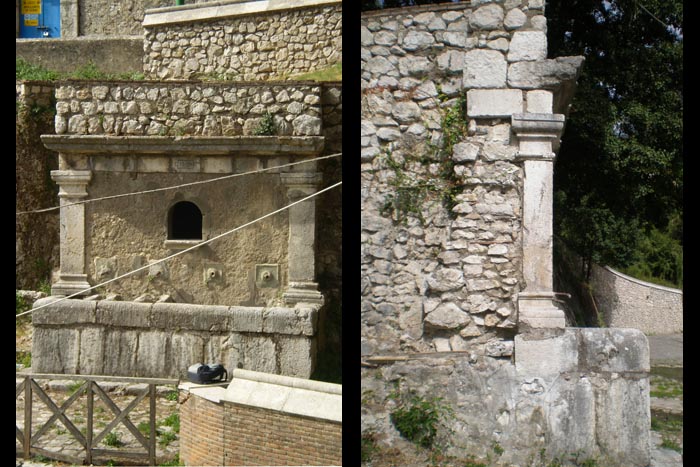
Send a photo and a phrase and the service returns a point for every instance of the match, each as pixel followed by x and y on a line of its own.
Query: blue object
pixel 40 19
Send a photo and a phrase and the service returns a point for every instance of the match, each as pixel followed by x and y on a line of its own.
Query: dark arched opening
pixel 184 222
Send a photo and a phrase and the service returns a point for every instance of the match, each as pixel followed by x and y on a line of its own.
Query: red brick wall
pixel 201 431
pixel 231 434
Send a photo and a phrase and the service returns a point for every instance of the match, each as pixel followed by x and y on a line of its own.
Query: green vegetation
pixel 24 359
pixel 113 439
pixel 266 127
pixel 418 418
pixel 173 462
pixel 21 304
pixel 619 175
pixel 166 438
pixel 669 443
pixel 332 73
pixel 368 447
pixel 666 388
pixel 173 420
pixel 25 71
pixel 172 395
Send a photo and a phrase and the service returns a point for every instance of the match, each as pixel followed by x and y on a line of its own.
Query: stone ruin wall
pixel 257 46
pixel 154 108
pixel 440 283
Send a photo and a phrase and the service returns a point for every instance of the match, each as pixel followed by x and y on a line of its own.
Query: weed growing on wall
pixel 411 188
pixel 418 418
pixel 266 127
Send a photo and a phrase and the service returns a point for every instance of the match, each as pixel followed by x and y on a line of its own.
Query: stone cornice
pixel 195 145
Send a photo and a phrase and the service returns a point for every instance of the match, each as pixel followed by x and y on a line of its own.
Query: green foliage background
pixel 619 173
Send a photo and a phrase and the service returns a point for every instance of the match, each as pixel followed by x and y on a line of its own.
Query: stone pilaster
pixel 536 133
pixel 72 276
pixel 302 286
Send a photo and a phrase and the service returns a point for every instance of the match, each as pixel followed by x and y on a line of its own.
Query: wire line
pixel 226 177
pixel 185 250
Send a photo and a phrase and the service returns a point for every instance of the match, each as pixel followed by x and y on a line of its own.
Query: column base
pixel 69 284
pixel 303 292
pixel 537 310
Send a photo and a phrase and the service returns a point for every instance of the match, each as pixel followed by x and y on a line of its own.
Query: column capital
pixel 538 134
pixel 72 183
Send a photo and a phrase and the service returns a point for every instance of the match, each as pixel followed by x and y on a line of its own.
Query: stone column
pixel 69 19
pixel 536 133
pixel 72 276
pixel 301 255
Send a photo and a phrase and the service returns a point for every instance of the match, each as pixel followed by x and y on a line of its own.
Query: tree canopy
pixel 619 172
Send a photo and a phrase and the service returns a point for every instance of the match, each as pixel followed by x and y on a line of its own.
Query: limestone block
pixel 515 19
pixel 499 348
pixel 614 350
pixel 447 316
pixel 366 37
pixel 224 349
pixel 67 312
pixel 120 352
pixel 417 40
pixel 258 353
pixel 539 102
pixel 446 279
pixel 297 356
pixel 55 350
pixel 186 350
pixel 247 319
pixel 414 66
pixel 528 46
pixel 217 165
pixel 281 321
pixel 379 66
pixel 150 354
pixel 546 358
pixel 547 74
pixel 494 102
pixel 487 17
pixel 153 164
pixel 306 125
pixel 484 69
pixel 185 316
pixel 451 61
pixel 406 112
pixel 91 350
pixel 455 38
pixel 112 313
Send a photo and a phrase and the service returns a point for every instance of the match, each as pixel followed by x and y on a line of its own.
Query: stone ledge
pixel 224 9
pixel 194 145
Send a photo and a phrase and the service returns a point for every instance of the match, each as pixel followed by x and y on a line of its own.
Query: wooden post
pixel 27 417
pixel 152 421
pixel 88 447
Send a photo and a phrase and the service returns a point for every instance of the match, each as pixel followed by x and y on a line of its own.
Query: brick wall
pixel 232 434
pixel 202 431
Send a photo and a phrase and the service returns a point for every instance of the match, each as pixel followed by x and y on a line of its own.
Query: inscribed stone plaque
pixel 186 165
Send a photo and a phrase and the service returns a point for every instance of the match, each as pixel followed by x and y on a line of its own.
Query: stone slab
pixel 63 313
pixel 494 102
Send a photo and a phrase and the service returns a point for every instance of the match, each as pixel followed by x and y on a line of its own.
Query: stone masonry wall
pixel 163 339
pixel 186 108
pixel 261 46
pixel 626 302
pixel 449 281
pixel 97 18
pixel 35 255
pixel 441 247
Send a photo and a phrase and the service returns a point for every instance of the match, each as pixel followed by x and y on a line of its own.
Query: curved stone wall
pixel 627 302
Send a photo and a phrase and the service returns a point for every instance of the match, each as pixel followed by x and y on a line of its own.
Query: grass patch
pixel 332 73
pixel 669 443
pixel 25 71
pixel 368 447
pixel 666 388
pixel 175 461
pixel 144 428
pixel 24 359
pixel 166 438
pixel 417 418
pixel 113 440
pixel 173 421
pixel 29 72
pixel 667 425
pixel 171 395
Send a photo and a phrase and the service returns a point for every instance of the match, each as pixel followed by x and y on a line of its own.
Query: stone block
pixel 91 351
pixel 494 102
pixel 484 69
pixel 120 352
pixel 539 102
pixel 543 74
pixel 487 17
pixel 185 350
pixel 258 353
pixel 217 165
pixel 153 164
pixel 224 349
pixel 185 316
pixel 546 358
pixel 67 312
pixel 447 316
pixel 130 314
pixel 515 19
pixel 614 350
pixel 297 356
pixel 55 350
pixel 281 321
pixel 150 354
pixel 416 40
pixel 528 46
pixel 247 319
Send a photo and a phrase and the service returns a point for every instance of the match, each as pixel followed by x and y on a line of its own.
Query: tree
pixel 619 173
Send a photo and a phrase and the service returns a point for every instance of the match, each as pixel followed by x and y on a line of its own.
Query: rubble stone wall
pixel 154 108
pixel 163 339
pixel 255 45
